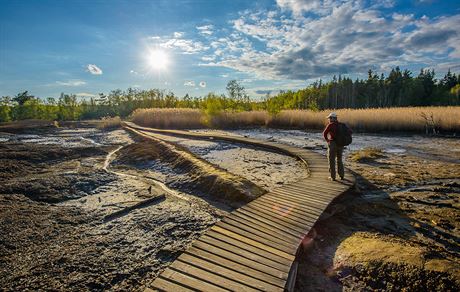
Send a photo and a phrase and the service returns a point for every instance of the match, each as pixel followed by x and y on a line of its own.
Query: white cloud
pixel 93 69
pixel 347 37
pixel 202 84
pixel 178 35
pixel 205 29
pixel 189 83
pixel 85 94
pixel 73 82
pixel 184 45
pixel 208 58
pixel 316 6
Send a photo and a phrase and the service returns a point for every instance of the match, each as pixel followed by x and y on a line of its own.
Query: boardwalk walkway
pixel 254 247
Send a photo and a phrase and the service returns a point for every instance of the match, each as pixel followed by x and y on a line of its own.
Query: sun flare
pixel 157 59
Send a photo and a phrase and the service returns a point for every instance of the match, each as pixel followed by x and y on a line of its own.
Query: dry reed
pixel 169 118
pixel 418 119
pixel 109 123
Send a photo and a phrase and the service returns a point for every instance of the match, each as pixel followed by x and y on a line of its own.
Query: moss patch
pixel 366 155
pixel 361 247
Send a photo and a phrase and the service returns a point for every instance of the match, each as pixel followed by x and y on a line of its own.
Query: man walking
pixel 334 134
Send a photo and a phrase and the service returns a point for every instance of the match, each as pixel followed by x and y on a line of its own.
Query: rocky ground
pixel 60 189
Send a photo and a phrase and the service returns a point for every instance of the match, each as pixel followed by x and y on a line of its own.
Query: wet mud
pixel 85 209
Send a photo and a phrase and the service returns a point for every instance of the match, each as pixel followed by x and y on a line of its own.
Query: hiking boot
pixel 342 178
pixel 332 178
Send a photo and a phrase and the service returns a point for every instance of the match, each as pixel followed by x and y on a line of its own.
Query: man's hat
pixel 332 115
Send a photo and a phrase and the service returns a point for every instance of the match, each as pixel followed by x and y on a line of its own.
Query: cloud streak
pixel 93 69
pixel 72 83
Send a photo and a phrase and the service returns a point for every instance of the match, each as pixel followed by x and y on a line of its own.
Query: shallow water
pixel 435 148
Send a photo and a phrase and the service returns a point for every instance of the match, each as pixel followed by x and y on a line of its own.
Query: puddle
pixel 394 150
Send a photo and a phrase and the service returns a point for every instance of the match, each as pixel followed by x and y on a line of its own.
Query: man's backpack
pixel 343 135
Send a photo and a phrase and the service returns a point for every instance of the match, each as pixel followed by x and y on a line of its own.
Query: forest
pixel 399 89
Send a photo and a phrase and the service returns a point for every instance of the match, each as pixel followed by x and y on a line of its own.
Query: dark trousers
pixel 335 152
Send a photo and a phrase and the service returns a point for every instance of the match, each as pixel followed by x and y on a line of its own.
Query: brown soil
pixel 398 231
pixel 53 202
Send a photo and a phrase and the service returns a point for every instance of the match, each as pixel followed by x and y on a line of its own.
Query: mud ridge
pixel 202 176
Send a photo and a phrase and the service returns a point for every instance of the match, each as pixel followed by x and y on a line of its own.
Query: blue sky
pixel 196 46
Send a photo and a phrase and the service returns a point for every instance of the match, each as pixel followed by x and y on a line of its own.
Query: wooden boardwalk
pixel 254 247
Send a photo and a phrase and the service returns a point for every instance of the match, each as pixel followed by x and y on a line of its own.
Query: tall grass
pixel 109 123
pixel 418 119
pixel 169 118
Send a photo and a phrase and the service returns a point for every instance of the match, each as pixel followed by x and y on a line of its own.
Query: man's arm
pixel 326 131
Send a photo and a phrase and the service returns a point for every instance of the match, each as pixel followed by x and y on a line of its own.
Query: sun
pixel 157 59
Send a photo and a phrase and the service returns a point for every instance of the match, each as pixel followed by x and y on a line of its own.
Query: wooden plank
pixel 326 186
pixel 339 184
pixel 294 231
pixel 275 232
pixel 190 281
pixel 269 208
pixel 258 231
pixel 287 220
pixel 291 216
pixel 306 197
pixel 319 189
pixel 209 277
pixel 299 214
pixel 237 247
pixel 203 248
pixel 320 195
pixel 273 218
pixel 284 209
pixel 164 284
pixel 272 197
pixel 290 285
pixel 253 242
pixel 236 266
pixel 289 206
pixel 310 205
pixel 305 194
pixel 228 273
pixel 279 232
pixel 254 235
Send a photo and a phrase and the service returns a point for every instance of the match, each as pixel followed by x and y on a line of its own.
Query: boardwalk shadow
pixel 365 211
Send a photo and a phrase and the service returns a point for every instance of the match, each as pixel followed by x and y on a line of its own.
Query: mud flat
pixel 60 187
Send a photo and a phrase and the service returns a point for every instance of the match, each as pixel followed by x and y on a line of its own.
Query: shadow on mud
pixel 364 242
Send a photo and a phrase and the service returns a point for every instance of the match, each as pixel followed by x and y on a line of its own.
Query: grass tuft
pixel 109 123
pixel 366 155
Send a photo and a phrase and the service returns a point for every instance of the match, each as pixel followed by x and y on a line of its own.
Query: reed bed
pixel 417 119
pixel 109 123
pixel 170 118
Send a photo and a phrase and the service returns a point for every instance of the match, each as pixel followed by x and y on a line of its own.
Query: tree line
pixel 398 89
